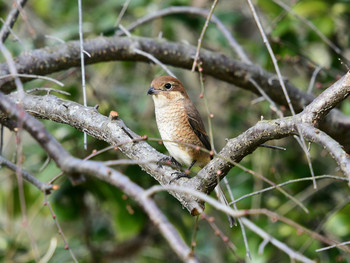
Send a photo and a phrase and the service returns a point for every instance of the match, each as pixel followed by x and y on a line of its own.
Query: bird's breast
pixel 176 133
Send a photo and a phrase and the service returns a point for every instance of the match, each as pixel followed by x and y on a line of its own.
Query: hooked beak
pixel 151 91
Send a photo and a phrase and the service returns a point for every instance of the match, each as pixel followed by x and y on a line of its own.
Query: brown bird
pixel 178 120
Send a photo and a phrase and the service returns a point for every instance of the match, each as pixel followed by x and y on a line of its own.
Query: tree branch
pixel 46 188
pixel 69 164
pixel 237 148
pixel 116 133
pixel 11 19
pixel 63 56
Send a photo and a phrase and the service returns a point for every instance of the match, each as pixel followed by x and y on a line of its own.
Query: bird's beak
pixel 151 91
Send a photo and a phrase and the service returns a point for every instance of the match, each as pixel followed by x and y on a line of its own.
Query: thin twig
pixel 200 39
pixel 19 152
pixel 48 91
pixel 11 19
pixel 60 231
pixel 26 176
pixel 122 12
pixel 82 63
pixel 218 232
pixel 333 246
pixel 70 164
pixel 155 60
pixel 313 79
pixel 244 233
pixel 197 11
pixel 290 182
pixel 194 234
pixel 280 78
pixel 238 213
pixel 267 97
pixel 33 77
pixel 294 255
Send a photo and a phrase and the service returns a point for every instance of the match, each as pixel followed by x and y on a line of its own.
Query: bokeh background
pixel 100 223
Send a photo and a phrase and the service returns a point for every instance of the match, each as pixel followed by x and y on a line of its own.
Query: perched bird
pixel 179 121
pixel 180 125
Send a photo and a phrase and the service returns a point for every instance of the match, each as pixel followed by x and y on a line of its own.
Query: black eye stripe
pixel 167 85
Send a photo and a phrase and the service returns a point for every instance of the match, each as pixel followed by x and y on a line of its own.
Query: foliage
pixel 100 223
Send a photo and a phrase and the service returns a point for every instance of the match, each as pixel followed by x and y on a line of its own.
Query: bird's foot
pixel 178 175
pixel 168 161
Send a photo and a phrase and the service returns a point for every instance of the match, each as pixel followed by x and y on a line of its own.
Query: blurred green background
pixel 99 222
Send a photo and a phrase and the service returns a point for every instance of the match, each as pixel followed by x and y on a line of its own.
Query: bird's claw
pixel 169 161
pixel 178 175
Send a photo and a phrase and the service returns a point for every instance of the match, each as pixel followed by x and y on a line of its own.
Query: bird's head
pixel 167 88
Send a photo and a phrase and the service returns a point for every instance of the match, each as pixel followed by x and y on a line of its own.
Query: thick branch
pixel 73 165
pixel 114 132
pixel 53 59
pixel 236 149
pixel 327 100
pixel 60 57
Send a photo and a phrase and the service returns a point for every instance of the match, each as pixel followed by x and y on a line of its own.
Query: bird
pixel 181 126
pixel 179 122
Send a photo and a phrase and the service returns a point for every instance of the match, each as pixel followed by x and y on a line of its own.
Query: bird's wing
pixel 197 125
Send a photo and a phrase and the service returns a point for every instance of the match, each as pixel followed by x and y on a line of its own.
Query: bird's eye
pixel 167 85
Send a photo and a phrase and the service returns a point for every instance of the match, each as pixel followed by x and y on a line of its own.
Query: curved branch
pixel 114 132
pixel 63 56
pixel 236 149
pixel 327 100
pixel 73 165
pixel 194 11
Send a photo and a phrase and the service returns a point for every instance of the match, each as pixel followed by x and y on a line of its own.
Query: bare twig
pixel 65 56
pixel 289 182
pixel 219 233
pixel 333 246
pixel 48 91
pixel 200 39
pixel 26 176
pixel 11 19
pixel 12 69
pixel 240 213
pixel 313 79
pixel 156 61
pixel 294 255
pixel 262 131
pixel 51 107
pixel 82 62
pixel 283 86
pixel 122 12
pixel 32 76
pixel 60 231
pixel 197 11
pixel 72 165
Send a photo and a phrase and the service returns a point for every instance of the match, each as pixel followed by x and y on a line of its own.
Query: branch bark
pixel 247 142
pixel 72 165
pixel 116 133
pixel 52 59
